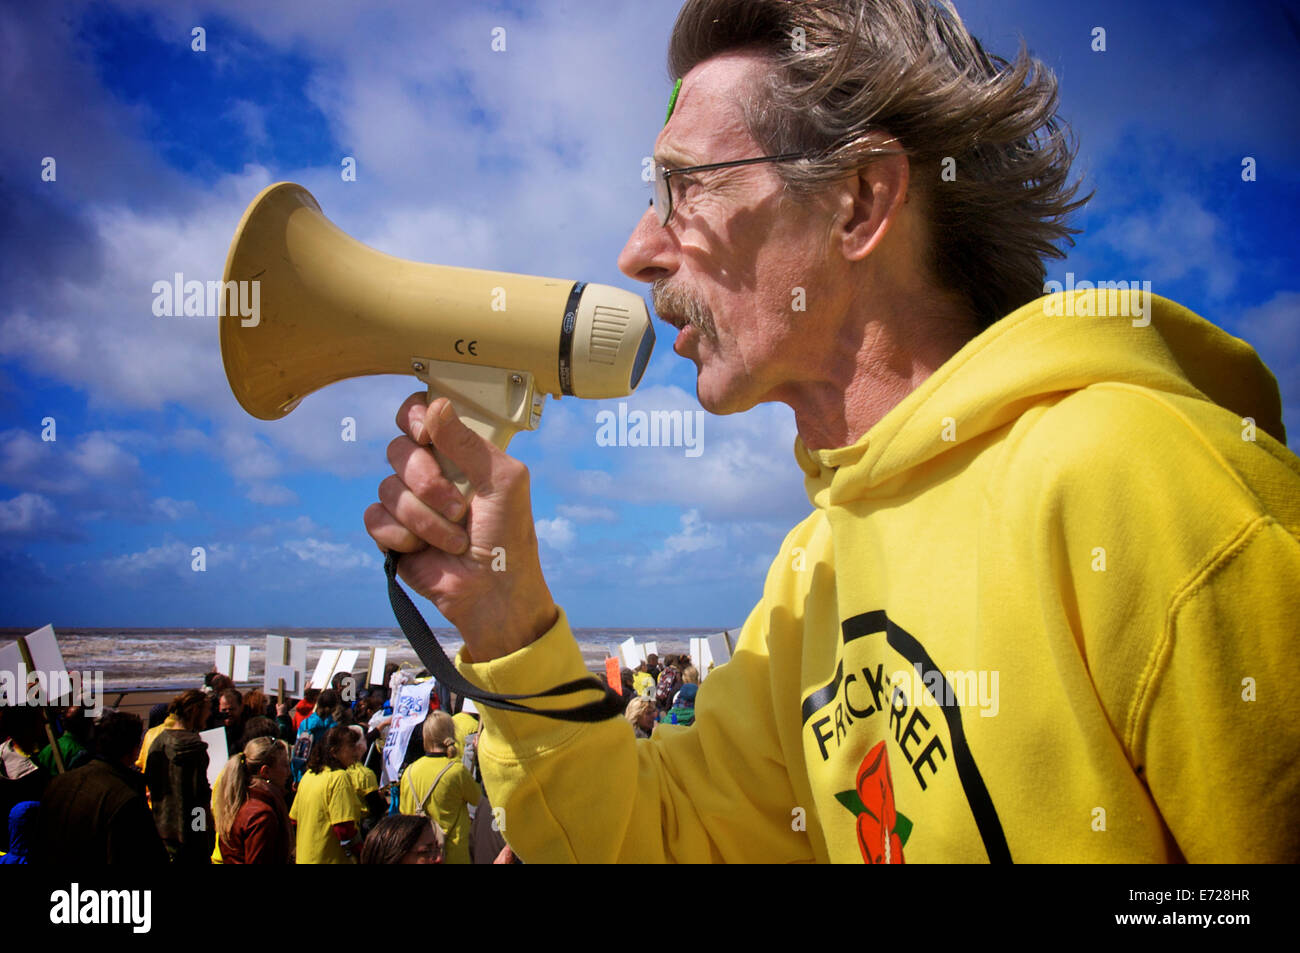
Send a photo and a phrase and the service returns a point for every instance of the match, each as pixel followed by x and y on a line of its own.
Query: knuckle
pixel 396 450
pixel 515 473
pixel 390 493
pixel 464 437
pixel 428 484
pixel 403 417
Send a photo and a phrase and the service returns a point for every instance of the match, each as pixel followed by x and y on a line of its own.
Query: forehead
pixel 707 124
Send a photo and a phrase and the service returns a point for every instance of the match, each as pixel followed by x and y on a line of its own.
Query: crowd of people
pixel 300 781
pixel 660 693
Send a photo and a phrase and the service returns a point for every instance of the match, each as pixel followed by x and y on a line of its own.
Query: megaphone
pixel 328 308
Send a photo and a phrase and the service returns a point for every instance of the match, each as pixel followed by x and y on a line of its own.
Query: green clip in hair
pixel 672 100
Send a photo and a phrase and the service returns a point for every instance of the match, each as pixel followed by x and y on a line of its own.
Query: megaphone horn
pixel 329 308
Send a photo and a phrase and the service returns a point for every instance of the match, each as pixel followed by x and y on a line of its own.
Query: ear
pixel 868 203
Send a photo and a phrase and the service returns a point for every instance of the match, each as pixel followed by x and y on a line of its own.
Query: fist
pixel 476 559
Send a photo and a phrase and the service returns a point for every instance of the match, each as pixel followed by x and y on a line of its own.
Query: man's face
pixel 728 265
pixel 227 709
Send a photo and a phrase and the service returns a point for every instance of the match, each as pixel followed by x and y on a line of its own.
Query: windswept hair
pixel 848 76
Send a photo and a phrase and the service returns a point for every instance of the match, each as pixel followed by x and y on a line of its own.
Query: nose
pixel 651 250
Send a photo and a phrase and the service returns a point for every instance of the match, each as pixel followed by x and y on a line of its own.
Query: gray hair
pixel 849 75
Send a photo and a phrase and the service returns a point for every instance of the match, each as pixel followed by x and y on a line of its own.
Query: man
pixel 230 715
pixel 1038 612
pixel 97 814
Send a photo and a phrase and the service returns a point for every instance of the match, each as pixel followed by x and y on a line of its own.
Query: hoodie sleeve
pixel 716 791
pixel 1216 732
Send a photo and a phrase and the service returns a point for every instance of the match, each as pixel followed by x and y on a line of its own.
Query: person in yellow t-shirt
pixel 326 809
pixel 466 722
pixel 643 683
pixel 364 782
pixel 441 787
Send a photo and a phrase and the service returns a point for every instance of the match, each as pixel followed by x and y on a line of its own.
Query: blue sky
pixel 525 160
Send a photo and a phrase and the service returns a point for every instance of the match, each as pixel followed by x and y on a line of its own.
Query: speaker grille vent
pixel 608 325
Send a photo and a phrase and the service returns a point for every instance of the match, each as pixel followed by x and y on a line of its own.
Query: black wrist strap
pixel 417 632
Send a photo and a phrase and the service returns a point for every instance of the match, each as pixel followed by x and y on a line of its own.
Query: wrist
pixel 505 633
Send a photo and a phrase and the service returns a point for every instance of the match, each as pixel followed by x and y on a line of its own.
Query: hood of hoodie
pixel 1041 351
pixel 182 746
pixel 22 827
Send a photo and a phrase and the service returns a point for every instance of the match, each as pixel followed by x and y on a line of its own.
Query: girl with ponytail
pixel 253 821
pixel 439 786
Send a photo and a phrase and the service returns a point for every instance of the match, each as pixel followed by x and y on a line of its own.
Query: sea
pixel 137 659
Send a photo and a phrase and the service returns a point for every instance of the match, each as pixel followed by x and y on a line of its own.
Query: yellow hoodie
pixel 1045 610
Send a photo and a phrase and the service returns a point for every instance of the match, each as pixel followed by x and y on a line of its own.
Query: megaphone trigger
pixel 493 402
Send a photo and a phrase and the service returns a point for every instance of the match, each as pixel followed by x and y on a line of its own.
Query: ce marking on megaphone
pixel 469 347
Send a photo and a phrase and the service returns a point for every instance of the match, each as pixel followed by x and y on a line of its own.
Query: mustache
pixel 679 302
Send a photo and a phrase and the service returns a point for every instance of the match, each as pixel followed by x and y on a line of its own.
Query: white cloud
pixel 171 558
pixel 336 557
pixel 1179 238
pixel 70 465
pixel 557 533
pixel 100 458
pixel 97 328
pixel 272 494
pixel 169 509
pixel 695 535
pixel 248 456
pixel 1273 329
pixel 299 526
pixel 677 557
pixel 25 514
pixel 581 513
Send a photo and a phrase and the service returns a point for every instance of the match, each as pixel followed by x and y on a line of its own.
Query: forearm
pixel 593 793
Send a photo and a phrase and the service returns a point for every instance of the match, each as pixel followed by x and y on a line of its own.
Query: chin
pixel 721 404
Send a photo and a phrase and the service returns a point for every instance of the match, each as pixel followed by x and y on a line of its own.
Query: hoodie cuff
pixel 550 660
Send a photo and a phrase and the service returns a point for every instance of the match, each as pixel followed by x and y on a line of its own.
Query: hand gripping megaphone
pixel 330 308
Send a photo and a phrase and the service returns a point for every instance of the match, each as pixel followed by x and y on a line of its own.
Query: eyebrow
pixel 673 157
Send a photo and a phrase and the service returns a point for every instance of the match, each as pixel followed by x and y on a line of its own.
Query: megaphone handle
pixel 496 431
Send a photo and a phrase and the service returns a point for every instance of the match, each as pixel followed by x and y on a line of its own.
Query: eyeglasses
pixel 663 193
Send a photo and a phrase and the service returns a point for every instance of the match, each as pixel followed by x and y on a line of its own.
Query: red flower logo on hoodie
pixel 882 831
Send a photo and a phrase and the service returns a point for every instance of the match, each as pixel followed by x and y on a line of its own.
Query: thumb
pixel 462 446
